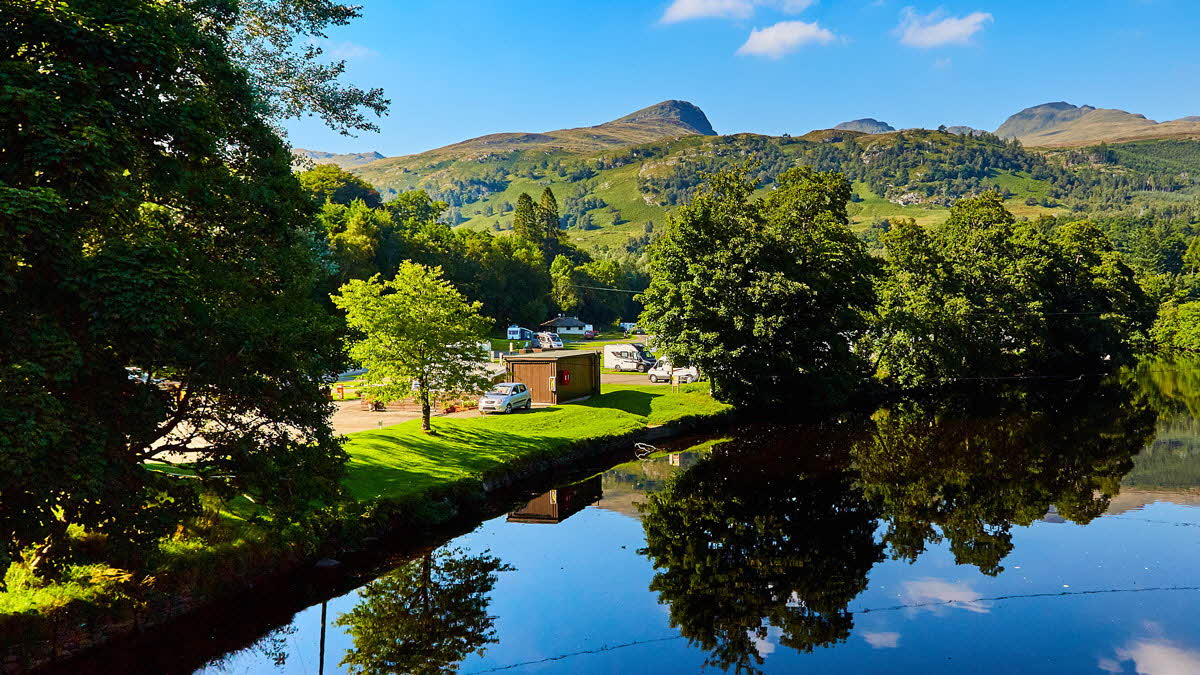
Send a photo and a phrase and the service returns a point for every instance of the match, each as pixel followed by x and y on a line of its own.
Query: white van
pixel 630 358
pixel 549 341
pixel 662 372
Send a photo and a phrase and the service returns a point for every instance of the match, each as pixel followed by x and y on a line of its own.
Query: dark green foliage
pixel 330 183
pixel 149 218
pixel 985 296
pixel 766 296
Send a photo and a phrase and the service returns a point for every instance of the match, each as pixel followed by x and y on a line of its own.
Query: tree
pixel 766 296
pixel 149 219
pixel 425 616
pixel 562 279
pixel 550 222
pixel 526 221
pixel 330 183
pixel 983 295
pixel 416 332
pixel 291 80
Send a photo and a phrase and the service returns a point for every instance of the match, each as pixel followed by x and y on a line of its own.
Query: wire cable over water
pixel 916 605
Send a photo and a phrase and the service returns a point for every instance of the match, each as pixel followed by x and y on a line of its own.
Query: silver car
pixel 506 397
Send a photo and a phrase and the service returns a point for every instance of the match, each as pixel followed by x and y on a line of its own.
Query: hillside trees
pixel 149 219
pixel 983 295
pixel 414 332
pixel 766 296
pixel 330 183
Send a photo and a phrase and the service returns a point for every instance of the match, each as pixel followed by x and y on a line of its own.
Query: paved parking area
pixel 625 378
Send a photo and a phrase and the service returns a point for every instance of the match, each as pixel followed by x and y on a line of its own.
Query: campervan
pixel 631 358
pixel 516 332
pixel 663 372
pixel 549 341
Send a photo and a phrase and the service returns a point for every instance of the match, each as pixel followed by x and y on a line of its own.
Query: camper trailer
pixel 631 358
pixel 516 332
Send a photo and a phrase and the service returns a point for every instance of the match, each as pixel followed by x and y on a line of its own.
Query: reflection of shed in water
pixel 557 505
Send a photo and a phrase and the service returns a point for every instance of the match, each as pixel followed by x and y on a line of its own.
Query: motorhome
pixel 549 341
pixel 632 358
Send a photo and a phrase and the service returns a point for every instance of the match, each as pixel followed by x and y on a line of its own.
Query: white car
pixel 506 397
pixel 662 372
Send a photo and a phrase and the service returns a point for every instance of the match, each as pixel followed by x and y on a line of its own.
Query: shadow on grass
pixel 639 403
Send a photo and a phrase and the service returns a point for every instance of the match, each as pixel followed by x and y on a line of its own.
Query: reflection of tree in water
pixel 739 541
pixel 973 468
pixel 423 617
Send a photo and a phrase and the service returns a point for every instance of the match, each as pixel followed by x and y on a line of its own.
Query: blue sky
pixel 455 69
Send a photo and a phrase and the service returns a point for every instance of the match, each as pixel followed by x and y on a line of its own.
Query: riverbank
pixel 401 480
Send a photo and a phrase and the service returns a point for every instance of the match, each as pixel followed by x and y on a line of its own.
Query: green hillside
pixel 612 200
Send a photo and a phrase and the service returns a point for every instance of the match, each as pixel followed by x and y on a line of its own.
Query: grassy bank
pixel 396 475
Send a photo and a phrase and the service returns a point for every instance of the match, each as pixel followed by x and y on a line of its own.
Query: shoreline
pixel 60 639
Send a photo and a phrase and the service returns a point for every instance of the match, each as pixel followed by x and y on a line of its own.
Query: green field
pixel 402 461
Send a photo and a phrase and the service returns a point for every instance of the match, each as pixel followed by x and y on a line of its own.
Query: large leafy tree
pixel 414 331
pixel 149 219
pixel 425 616
pixel 983 295
pixel 766 296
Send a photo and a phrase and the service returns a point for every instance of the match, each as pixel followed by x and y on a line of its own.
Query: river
pixel 1047 529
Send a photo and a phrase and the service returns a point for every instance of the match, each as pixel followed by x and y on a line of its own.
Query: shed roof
pixel 564 322
pixel 549 356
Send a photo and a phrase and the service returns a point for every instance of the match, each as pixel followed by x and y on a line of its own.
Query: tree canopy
pixel 414 331
pixel 765 295
pixel 330 183
pixel 149 220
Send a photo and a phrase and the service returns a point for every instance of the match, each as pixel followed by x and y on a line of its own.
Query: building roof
pixel 563 322
pixel 548 356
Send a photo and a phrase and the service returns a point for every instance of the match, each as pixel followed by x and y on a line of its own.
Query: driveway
pixel 625 378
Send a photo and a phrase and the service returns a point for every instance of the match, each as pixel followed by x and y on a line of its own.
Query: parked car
pixel 589 335
pixel 549 341
pixel 662 372
pixel 632 358
pixel 636 330
pixel 506 397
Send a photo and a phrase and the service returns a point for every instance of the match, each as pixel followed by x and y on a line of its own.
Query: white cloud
pixel 783 38
pixel 943 62
pixel 938 593
pixel 686 10
pixel 936 29
pixel 1159 657
pixel 882 640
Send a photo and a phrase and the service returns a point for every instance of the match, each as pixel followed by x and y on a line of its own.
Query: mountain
pixel 866 125
pixel 1061 124
pixel 661 121
pixel 960 130
pixel 345 161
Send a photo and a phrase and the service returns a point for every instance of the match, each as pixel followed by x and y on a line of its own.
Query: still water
pixel 1047 530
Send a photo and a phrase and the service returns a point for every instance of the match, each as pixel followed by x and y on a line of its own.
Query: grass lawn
pixel 401 461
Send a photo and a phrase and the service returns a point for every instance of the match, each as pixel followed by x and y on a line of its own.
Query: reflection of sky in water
pixel 578 603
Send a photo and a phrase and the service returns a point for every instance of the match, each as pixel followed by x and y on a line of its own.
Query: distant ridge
pixel 343 160
pixel 866 125
pixel 1062 124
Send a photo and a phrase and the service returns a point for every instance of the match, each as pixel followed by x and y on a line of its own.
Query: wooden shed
pixel 557 505
pixel 558 376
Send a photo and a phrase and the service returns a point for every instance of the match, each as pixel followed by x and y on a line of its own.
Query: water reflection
pixel 426 616
pixel 752 539
pixel 969 469
pixel 878 542
pixel 560 503
pixel 779 531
